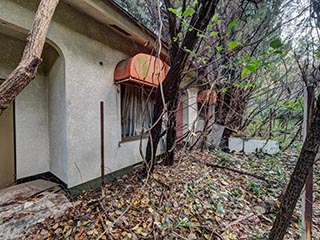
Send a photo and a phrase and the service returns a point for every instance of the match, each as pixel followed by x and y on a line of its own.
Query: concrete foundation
pixel 253 145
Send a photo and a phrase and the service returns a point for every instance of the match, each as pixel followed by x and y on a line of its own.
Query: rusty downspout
pixel 102 141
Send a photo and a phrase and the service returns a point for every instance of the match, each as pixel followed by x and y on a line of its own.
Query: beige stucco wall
pixel 30 113
pixel 89 52
pixel 57 119
pixel 32 142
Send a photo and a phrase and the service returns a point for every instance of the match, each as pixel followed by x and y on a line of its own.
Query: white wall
pixel 57 119
pixel 32 154
pixel 91 84
pixel 193 106
pixel 185 112
pixel 32 141
pixel 88 83
pixel 10 50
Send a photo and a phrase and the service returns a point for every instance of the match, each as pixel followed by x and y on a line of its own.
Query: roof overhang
pixel 111 14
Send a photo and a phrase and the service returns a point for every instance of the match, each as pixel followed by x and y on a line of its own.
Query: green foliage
pixel 224 157
pixel 184 223
pixel 192 53
pixel 251 66
pixel 215 18
pixel 256 188
pixel 233 44
pixel 291 105
pixel 213 33
pixel 200 35
pixel 176 11
pixel 243 84
pixel 245 71
pixel 188 12
pixel 318 53
pixel 219 48
pixel 141 11
pixel 284 130
pixel 276 43
pixel 232 24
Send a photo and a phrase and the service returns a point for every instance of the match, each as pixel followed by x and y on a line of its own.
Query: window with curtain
pixel 136 110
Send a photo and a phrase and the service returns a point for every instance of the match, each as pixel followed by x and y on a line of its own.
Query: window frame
pixel 150 94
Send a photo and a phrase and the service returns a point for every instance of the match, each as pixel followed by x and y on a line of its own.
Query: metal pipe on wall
pixel 102 140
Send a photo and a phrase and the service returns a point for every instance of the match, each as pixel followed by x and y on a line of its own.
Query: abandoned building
pixel 95 52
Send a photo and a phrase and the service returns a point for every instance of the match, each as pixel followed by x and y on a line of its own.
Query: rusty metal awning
pixel 141 69
pixel 207 96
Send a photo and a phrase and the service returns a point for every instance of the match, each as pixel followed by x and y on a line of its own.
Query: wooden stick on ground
pixel 31 58
pixel 238 171
pixel 239 220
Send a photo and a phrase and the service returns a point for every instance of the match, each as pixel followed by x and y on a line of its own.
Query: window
pixel 136 110
pixel 138 76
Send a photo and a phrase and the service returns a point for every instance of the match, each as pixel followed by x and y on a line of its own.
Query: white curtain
pixel 136 110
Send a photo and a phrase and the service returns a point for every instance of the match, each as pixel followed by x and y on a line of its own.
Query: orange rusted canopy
pixel 141 69
pixel 209 96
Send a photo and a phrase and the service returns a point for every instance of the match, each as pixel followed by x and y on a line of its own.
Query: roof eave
pixel 111 14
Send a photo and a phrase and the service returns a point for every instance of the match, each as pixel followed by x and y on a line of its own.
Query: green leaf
pixel 243 84
pixel 251 67
pixel 318 53
pixel 188 12
pixel 219 48
pixel 201 35
pixel 233 44
pixel 244 72
pixel 177 12
pixel 232 24
pixel 256 62
pixel 214 33
pixel 187 50
pixel 172 10
pixel 224 90
pixel 192 53
pixel 215 18
pixel 237 61
pixel 276 43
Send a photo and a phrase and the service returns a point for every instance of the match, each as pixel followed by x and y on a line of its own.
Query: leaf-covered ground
pixel 191 200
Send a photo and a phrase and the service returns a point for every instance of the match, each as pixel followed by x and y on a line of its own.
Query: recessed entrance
pixel 7 166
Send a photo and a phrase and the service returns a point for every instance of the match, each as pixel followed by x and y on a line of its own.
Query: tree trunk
pixel 170 85
pixel 171 136
pixel 298 178
pixel 31 58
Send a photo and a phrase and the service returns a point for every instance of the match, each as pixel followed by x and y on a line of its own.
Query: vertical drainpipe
pixel 102 140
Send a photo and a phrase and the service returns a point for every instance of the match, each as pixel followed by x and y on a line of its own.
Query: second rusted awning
pixel 141 69
pixel 208 96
